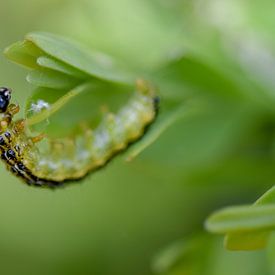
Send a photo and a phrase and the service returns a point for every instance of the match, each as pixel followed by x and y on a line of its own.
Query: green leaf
pixel 56 65
pixel 163 122
pixel 247 241
pixel 69 109
pixel 207 135
pixel 24 53
pixel 251 240
pixel 189 73
pixel 247 227
pixel 50 79
pixel 237 219
pixel 90 62
pixel 267 197
pixel 45 114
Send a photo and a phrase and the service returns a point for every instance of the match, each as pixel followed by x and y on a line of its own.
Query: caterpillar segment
pixel 45 162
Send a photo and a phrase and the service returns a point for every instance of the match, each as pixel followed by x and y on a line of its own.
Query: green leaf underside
pixel 45 114
pixel 91 98
pixel 27 54
pixel 49 79
pixel 94 64
pixel 194 73
pixel 56 65
pixel 24 53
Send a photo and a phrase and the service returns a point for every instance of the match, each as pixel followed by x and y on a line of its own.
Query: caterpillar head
pixel 7 110
pixel 5 97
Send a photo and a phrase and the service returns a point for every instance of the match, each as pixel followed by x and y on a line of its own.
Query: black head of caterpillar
pixel 72 158
pixel 5 97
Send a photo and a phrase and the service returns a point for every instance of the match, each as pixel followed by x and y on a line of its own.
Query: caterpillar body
pixel 51 163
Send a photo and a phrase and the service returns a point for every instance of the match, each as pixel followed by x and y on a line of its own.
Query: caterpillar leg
pixel 7 116
pixel 13 109
pixel 38 138
pixel 19 126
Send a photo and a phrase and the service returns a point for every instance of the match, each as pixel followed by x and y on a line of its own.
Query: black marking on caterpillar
pixel 72 159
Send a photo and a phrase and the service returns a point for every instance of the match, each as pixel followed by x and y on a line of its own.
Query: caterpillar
pixel 45 162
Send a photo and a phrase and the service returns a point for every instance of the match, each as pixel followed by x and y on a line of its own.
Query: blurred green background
pixel 124 219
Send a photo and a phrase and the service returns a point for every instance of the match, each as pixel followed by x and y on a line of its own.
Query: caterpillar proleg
pixel 53 162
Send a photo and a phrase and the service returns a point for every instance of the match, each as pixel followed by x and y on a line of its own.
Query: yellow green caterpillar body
pixel 53 162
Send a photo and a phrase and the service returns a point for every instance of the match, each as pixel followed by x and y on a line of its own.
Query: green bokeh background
pixel 117 220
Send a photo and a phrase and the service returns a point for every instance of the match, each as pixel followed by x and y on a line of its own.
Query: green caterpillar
pixel 51 163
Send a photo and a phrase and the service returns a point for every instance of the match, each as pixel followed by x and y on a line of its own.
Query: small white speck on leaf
pixel 39 106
